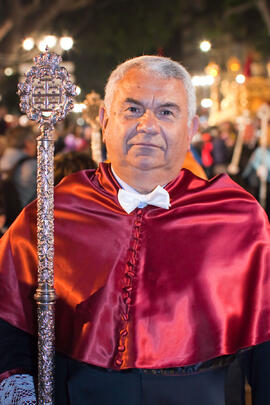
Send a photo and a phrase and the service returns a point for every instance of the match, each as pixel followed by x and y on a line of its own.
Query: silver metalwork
pixel 46 97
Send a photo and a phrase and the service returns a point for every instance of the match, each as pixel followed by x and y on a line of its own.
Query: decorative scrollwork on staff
pixel 46 96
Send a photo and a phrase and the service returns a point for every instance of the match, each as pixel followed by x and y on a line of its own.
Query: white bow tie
pixel 158 197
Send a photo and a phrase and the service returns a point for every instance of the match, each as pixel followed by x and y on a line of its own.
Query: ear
pixel 193 127
pixel 103 119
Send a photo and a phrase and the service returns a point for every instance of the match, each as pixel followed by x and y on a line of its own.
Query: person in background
pixel 207 154
pixel 220 152
pixel 193 165
pixel 18 168
pixel 66 163
pixel 257 167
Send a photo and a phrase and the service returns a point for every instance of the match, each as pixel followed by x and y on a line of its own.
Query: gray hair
pixel 164 67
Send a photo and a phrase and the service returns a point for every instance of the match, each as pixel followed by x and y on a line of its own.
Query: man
pixel 162 277
pixel 18 169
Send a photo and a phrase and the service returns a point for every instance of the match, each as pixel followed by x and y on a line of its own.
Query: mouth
pixel 144 145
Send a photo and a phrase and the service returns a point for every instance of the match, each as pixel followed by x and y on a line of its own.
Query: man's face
pixel 147 128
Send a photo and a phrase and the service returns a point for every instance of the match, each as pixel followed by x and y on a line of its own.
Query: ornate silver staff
pixel 46 97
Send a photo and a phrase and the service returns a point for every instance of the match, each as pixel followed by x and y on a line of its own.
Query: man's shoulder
pixel 221 182
pixel 219 192
pixel 79 178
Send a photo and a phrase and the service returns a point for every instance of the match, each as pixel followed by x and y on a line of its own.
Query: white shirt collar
pixel 127 187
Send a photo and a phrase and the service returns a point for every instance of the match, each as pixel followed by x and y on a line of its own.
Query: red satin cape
pixel 152 289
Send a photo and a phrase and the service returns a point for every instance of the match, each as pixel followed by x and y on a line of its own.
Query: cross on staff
pixel 264 115
pixel 46 97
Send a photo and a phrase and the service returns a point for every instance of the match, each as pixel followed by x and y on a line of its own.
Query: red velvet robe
pixel 152 289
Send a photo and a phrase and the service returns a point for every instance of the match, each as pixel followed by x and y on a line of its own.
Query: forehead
pixel 148 86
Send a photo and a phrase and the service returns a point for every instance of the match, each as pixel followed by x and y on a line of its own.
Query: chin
pixel 146 164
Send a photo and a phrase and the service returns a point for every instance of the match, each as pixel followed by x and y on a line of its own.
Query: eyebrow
pixel 171 105
pixel 132 100
pixel 168 105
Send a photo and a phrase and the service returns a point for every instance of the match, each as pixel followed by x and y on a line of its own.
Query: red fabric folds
pixel 152 289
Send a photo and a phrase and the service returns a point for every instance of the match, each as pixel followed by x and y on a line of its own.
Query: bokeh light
pixel 28 44
pixel 50 40
pixel 205 46
pixel 8 71
pixel 79 107
pixel 206 103
pixel 206 80
pixel 240 79
pixel 66 43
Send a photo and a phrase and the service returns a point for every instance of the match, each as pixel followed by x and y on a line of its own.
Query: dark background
pixel 106 32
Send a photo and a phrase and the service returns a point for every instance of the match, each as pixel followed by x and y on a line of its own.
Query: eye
pixel 166 113
pixel 133 109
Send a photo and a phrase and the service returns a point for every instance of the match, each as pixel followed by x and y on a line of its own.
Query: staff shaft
pixel 46 96
pixel 45 293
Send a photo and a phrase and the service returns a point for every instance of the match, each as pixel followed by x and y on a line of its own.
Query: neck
pixel 144 181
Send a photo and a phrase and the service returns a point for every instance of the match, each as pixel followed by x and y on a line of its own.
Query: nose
pixel 148 123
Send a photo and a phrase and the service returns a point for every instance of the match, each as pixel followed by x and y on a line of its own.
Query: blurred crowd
pixel 18 160
pixel 226 147
pixel 238 151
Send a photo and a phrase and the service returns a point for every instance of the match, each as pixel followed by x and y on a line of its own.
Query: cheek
pixel 114 142
pixel 178 149
pixel 178 140
pixel 109 133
